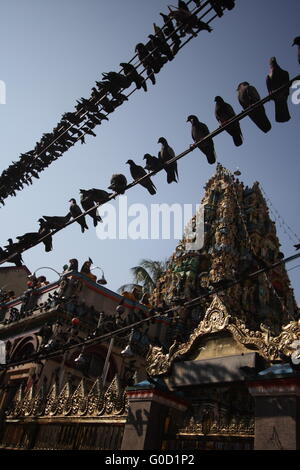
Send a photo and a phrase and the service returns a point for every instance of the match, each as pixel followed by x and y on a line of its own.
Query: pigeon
pixel 96 195
pixel 56 222
pixel 118 183
pixel 131 72
pixel 297 43
pixel 161 46
pixel 183 5
pixel 76 212
pixel 10 249
pixel 28 239
pixel 43 231
pixel 224 112
pixel 167 153
pixel 170 32
pixel 138 172
pixel 216 4
pixel 247 96
pixel 199 131
pixel 152 163
pixel 87 203
pixel 229 4
pixel 276 79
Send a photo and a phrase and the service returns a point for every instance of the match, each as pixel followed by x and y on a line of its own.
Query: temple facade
pixel 218 371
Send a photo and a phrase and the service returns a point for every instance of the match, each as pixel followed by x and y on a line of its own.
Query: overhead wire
pixel 191 303
pixel 191 148
pixel 79 112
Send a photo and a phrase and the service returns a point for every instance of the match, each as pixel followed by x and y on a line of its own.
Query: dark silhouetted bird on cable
pixel 76 212
pixel 170 32
pixel 152 163
pixel 56 222
pixel 28 239
pixel 96 195
pixel 297 43
pixel 276 79
pixel 131 72
pixel 118 183
pixel 43 231
pixel 161 46
pixel 165 154
pixel 247 96
pixel 138 172
pixel 87 203
pixel 10 249
pixel 148 61
pixel 199 131
pixel 224 112
pixel 187 22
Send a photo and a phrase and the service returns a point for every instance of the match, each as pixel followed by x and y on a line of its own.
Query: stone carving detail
pixel 217 319
pixel 95 402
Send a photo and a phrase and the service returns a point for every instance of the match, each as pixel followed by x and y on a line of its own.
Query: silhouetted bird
pixel 76 212
pixel 118 183
pixel 199 131
pixel 147 61
pixel 57 222
pixel 11 248
pixel 96 195
pixel 276 79
pixel 162 46
pixel 152 163
pixel 138 172
pixel 297 43
pixel 165 154
pixel 170 32
pixel 131 72
pixel 43 231
pixel 247 96
pixel 224 112
pixel 87 203
pixel 28 239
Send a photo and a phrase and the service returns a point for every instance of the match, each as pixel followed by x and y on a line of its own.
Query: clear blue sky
pixel 51 54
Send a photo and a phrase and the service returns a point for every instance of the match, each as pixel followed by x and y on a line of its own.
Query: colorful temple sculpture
pixel 217 373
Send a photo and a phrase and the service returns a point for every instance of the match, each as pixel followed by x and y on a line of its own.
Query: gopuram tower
pixel 239 239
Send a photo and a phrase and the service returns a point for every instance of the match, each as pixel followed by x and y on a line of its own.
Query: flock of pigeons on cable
pixel 89 199
pixel 107 96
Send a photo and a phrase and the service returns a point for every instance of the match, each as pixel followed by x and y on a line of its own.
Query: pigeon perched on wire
pixel 43 231
pixel 247 96
pixel 56 222
pixel 76 212
pixel 297 43
pixel 276 78
pixel 118 183
pixel 131 72
pixel 10 249
pixel 199 131
pixel 87 203
pixel 171 33
pixel 224 112
pixel 161 45
pixel 152 163
pixel 96 195
pixel 147 61
pixel 28 239
pixel 165 154
pixel 138 172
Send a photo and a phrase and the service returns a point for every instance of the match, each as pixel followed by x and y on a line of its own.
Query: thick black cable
pixel 188 304
pixel 192 147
